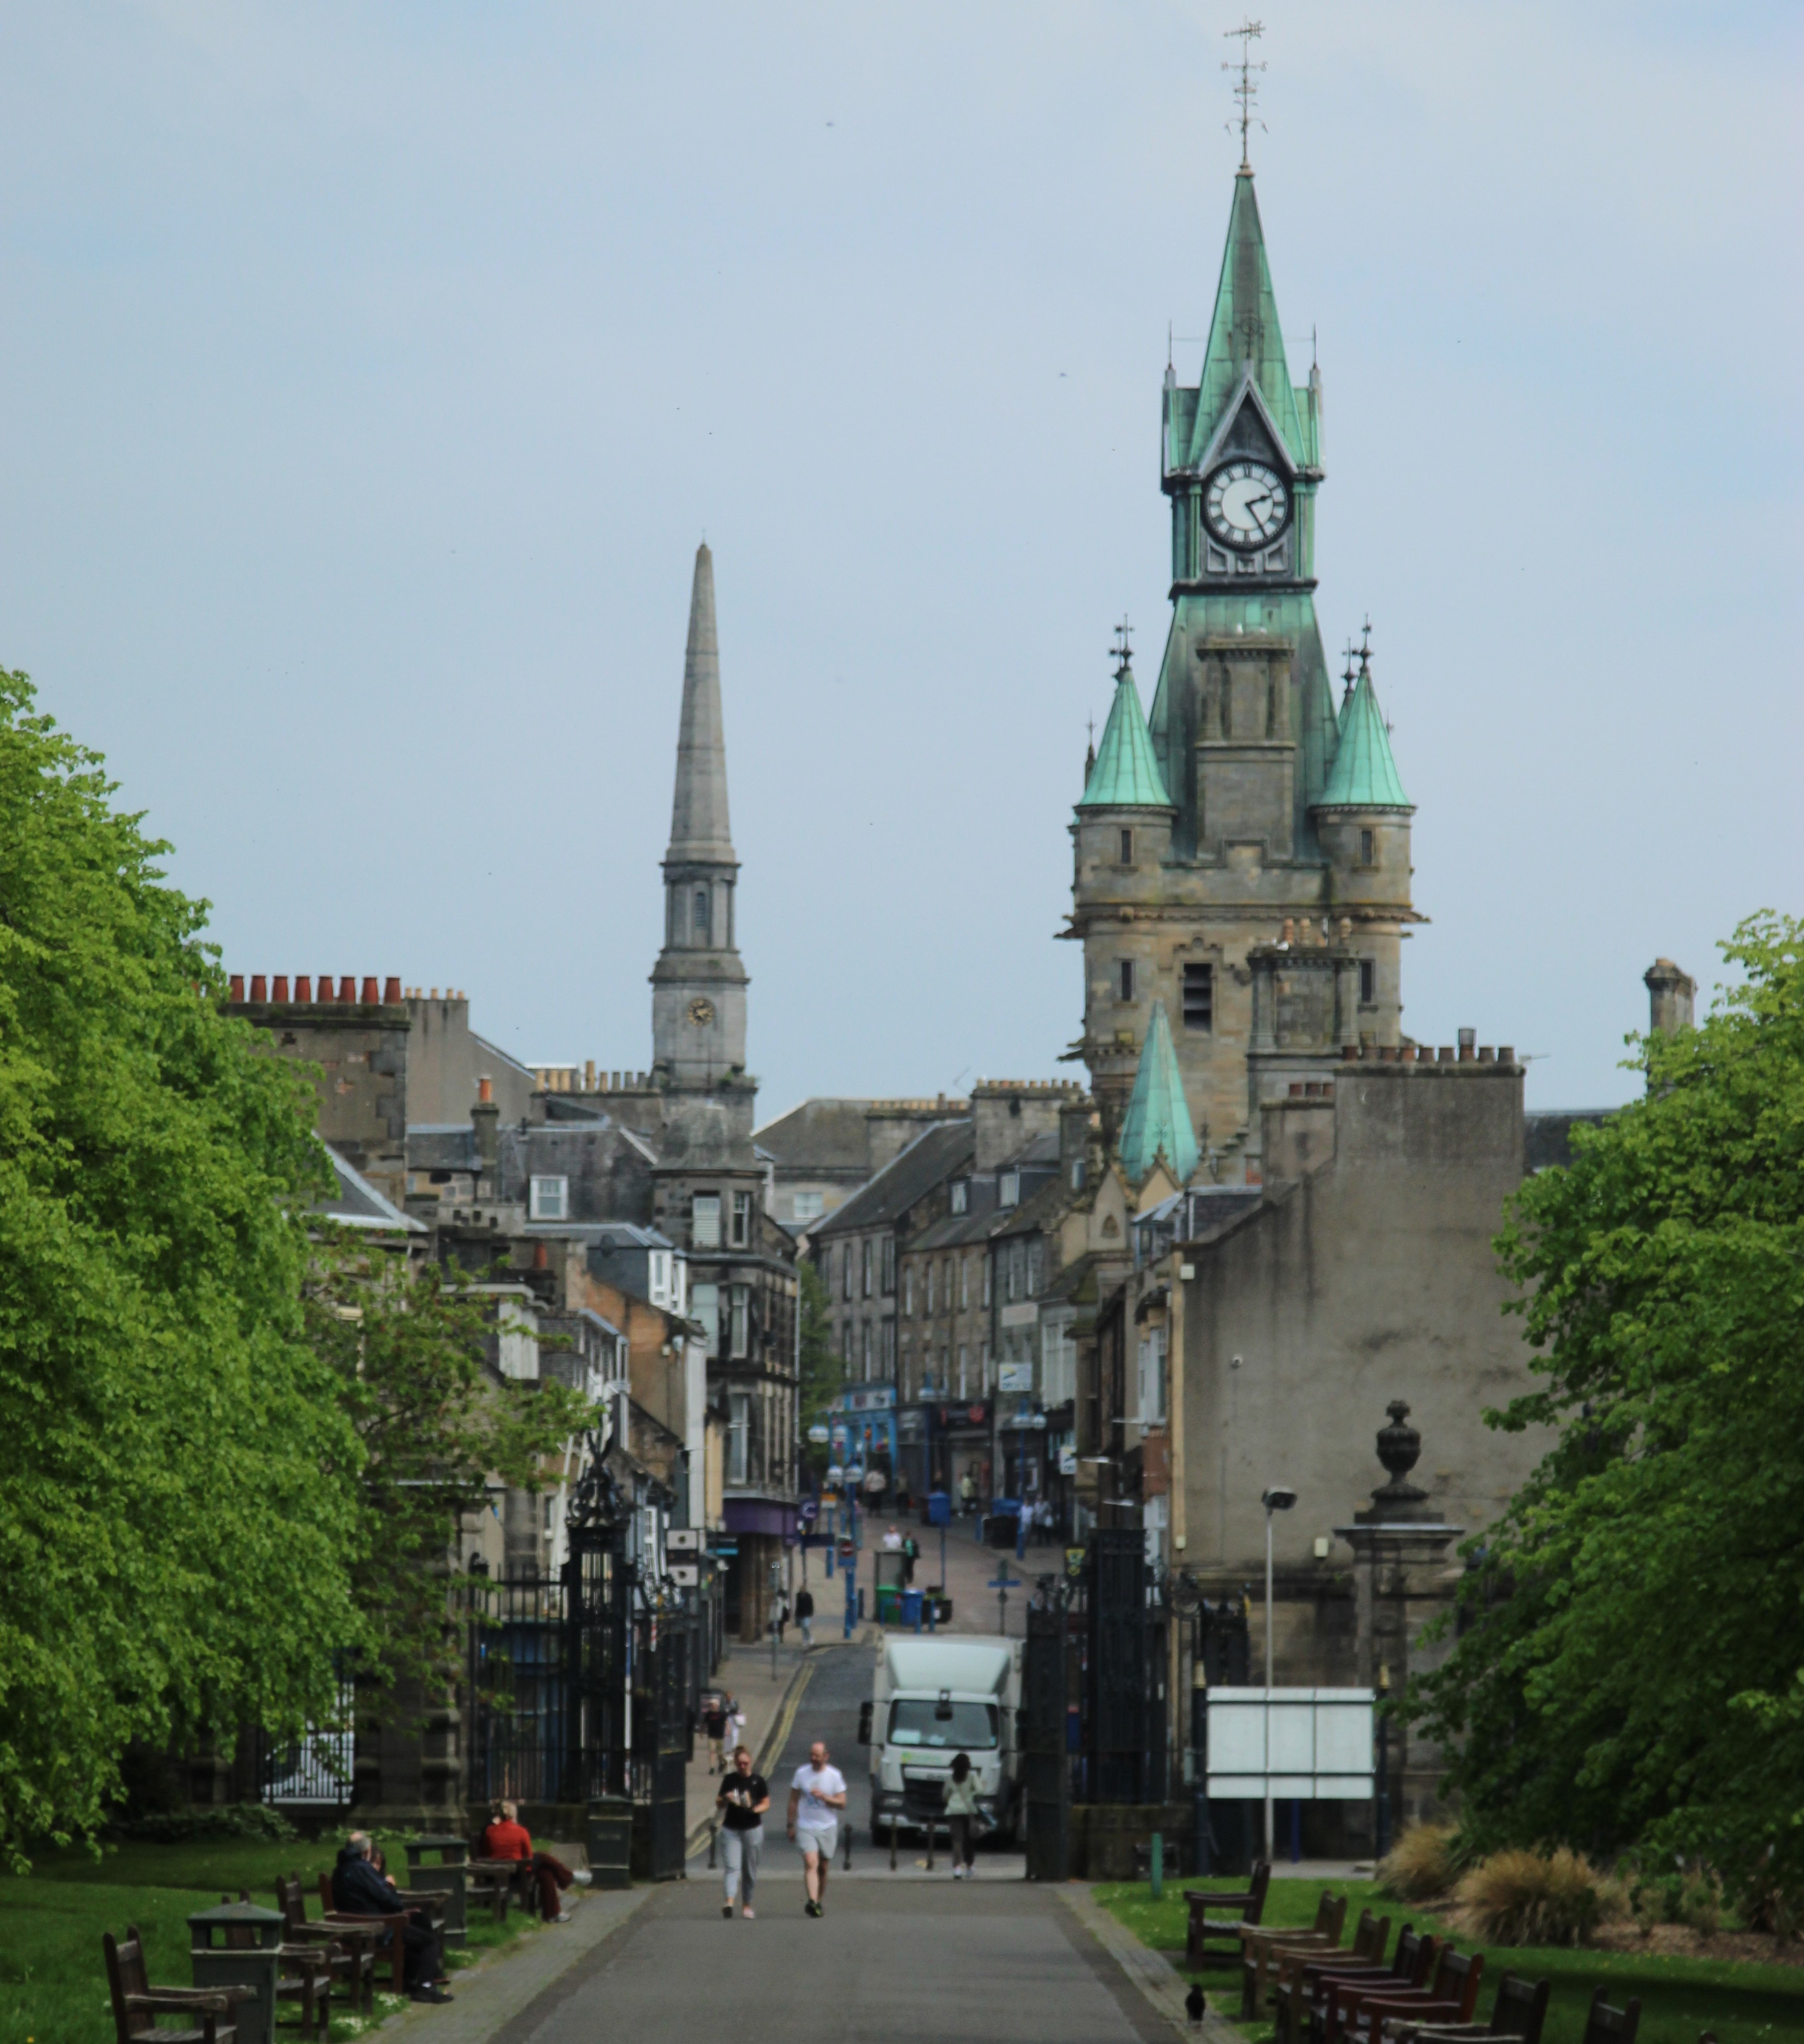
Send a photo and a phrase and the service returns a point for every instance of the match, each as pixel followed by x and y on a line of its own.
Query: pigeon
pixel 1194 2003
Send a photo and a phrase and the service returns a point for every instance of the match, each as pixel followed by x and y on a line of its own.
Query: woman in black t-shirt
pixel 743 1799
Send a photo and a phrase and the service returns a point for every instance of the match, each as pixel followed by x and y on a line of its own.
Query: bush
pixel 1518 1897
pixel 1420 1865
pixel 230 1820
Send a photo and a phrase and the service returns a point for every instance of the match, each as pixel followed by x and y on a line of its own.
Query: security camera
pixel 1278 1499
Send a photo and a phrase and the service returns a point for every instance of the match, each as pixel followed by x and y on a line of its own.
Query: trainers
pixel 430 1990
pixel 563 1916
pixel 747 1914
pixel 811 1909
pixel 727 1909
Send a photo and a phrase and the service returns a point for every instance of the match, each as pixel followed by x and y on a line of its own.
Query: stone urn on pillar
pixel 1404 1575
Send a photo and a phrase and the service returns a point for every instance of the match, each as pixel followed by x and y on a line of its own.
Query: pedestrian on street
pixel 743 1799
pixel 911 1554
pixel 714 1723
pixel 962 1816
pixel 816 1796
pixel 967 1495
pixel 805 1615
pixel 735 1721
pixel 892 1539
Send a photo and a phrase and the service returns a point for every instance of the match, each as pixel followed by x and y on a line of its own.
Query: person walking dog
pixel 743 1799
pixel 816 1796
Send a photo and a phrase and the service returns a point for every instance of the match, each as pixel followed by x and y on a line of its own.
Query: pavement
pixel 911 1954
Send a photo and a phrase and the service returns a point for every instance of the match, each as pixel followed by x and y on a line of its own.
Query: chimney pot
pixel 279 992
pixel 433 995
pixel 1296 1089
pixel 238 986
pixel 259 987
pixel 347 987
pixel 1506 1053
pixel 370 994
pixel 303 986
pixel 1445 1054
pixel 1468 1042
pixel 1487 1055
pixel 589 1075
pixel 391 992
pixel 485 1091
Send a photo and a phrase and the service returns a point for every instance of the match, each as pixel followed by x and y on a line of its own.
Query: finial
pixel 1122 648
pixel 1350 653
pixel 1247 91
pixel 1365 647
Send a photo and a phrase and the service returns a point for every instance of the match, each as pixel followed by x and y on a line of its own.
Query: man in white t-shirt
pixel 816 1796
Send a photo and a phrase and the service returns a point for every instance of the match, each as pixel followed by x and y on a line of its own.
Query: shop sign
pixel 1015 1376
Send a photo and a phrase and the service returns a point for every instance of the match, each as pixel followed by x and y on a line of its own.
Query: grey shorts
pixel 822 1840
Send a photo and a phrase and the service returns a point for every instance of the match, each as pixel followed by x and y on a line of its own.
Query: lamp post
pixel 1276 1498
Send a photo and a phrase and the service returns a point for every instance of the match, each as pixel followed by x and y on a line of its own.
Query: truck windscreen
pixel 914 1721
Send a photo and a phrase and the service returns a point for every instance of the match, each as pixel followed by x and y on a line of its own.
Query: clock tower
pixel 1246 859
pixel 698 995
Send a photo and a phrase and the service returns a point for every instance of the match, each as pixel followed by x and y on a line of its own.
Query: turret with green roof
pixel 1157 1124
pixel 1125 775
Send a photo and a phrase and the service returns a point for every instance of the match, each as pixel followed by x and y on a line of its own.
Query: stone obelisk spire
pixel 698 1000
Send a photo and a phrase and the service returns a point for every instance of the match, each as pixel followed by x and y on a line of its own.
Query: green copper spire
pixel 1157 1122
pixel 1364 775
pixel 1245 338
pixel 1125 774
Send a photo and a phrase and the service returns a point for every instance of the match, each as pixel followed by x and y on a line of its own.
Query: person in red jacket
pixel 506 1837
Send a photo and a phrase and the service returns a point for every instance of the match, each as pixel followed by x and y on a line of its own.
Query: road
pixel 908 1958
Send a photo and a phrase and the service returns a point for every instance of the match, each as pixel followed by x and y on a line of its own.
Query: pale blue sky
pixel 368 376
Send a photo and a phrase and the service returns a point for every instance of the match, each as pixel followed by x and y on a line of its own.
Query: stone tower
pixel 1244 855
pixel 698 999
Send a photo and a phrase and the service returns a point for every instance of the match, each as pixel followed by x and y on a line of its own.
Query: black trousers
pixel 421 1957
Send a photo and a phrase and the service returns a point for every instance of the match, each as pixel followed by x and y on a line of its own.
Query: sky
pixel 369 376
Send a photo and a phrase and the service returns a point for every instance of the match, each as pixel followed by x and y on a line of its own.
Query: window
pixel 1078 1175
pixel 986 1281
pixel 704 1220
pixel 865 1269
pixel 889 1267
pixel 741 1326
pixel 1152 1386
pixel 1008 1189
pixel 867 1352
pixel 1199 997
pixel 888 1351
pixel 1127 979
pixel 964 1382
pixel 705 1307
pixel 964 1280
pixel 1366 991
pixel 739 1437
pixel 931 1284
pixel 986 1389
pixel 701 929
pixel 807 1206
pixel 961 1196
pixel 1128 847
pixel 1033 1266
pixel 551 1199
pixel 1368 853
pixel 1008 1272
pixel 741 1220
pixel 845 1271
pixel 908 1289
pixel 658 1272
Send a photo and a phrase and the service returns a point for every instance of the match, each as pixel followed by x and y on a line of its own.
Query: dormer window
pixel 961 1195
pixel 1008 1189
pixel 550 1199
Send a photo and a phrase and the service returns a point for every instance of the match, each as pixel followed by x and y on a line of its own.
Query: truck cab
pixel 931 1700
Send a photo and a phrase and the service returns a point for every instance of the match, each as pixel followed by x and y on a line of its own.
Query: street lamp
pixel 1278 1498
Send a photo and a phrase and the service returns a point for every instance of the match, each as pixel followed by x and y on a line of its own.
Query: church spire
pixel 1245 342
pixel 1158 1123
pixel 699 828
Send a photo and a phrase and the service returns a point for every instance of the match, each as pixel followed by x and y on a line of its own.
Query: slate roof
pixel 939 1152
pixel 356 1203
pixel 1364 775
pixel 820 1135
pixel 1157 1122
pixel 1125 774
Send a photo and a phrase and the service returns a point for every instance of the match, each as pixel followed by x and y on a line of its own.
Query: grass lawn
pixel 52 1973
pixel 1680 1997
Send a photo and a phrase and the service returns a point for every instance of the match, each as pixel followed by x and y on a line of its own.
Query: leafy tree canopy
pixel 171 1555
pixel 1632 1674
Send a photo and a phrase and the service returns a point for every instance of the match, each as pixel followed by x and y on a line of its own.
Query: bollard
pixel 239 1945
pixel 1158 1866
pixel 440 1860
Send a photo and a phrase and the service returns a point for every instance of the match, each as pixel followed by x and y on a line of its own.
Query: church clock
pixel 1245 503
pixel 701 1011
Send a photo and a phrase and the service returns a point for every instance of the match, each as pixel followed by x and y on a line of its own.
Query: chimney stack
pixel 1670 994
pixel 485 1119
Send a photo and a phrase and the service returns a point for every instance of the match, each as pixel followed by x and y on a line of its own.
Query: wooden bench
pixel 1257 1945
pixel 136 2004
pixel 1305 1994
pixel 1450 1997
pixel 303 1976
pixel 1215 1940
pixel 1519 2011
pixel 389 1927
pixel 350 1949
pixel 1605 2025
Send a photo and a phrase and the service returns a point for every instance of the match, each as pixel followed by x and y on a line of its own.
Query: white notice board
pixel 1311 1745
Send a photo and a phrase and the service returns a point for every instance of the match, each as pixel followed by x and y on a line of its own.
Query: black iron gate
pixel 1045 1762
pixel 661 1740
pixel 1126 1679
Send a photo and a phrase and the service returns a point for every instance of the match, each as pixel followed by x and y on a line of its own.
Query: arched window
pixel 701 929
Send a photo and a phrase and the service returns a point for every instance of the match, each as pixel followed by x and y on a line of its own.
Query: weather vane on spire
pixel 1122 648
pixel 1365 645
pixel 1247 91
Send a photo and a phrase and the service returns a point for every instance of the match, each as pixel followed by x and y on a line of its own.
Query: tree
pixel 172 1558
pixel 1633 1673
pixel 430 1427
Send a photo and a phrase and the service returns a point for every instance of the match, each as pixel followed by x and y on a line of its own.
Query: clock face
pixel 701 1011
pixel 1245 503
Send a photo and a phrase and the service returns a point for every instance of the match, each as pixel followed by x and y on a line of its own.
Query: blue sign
pixel 1005 1582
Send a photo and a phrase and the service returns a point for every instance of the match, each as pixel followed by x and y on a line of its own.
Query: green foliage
pixel 172 1560
pixel 1635 1674
pixel 823 1372
pixel 225 1820
pixel 430 1427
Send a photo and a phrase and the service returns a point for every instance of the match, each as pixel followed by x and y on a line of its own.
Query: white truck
pixel 933 1699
